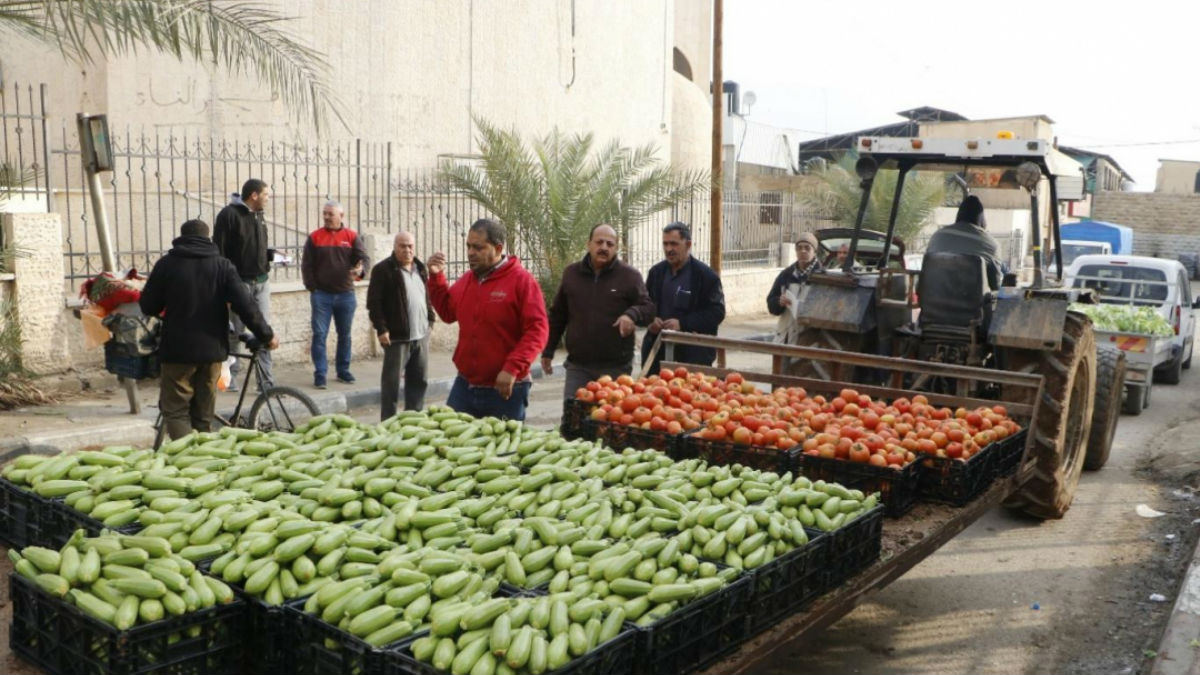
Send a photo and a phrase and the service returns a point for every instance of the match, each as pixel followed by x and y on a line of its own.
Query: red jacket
pixel 502 321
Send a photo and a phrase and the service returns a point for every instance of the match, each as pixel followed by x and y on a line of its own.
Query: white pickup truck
pixel 1139 281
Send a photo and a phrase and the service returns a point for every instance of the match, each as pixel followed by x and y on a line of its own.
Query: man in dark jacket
pixel 191 287
pixel 240 234
pixel 795 275
pixel 687 295
pixel 598 304
pixel 968 235
pixel 399 308
pixel 334 256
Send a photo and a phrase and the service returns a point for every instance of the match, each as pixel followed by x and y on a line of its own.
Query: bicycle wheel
pixel 281 409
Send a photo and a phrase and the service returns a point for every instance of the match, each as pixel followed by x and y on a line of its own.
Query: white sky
pixel 1117 77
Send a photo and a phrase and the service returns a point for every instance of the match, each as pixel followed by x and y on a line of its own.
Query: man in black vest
pixel 688 297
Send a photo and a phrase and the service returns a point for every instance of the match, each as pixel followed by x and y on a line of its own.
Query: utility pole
pixel 718 118
pixel 95 150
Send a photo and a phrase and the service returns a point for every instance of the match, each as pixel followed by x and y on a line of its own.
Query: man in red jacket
pixel 502 325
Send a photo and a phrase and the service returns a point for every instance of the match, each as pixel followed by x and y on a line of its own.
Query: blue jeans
pixel 341 307
pixel 485 401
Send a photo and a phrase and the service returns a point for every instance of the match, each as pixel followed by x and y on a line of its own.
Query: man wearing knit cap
pixel 968 236
pixel 788 283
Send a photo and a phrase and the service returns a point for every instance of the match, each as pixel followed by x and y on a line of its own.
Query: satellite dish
pixel 749 99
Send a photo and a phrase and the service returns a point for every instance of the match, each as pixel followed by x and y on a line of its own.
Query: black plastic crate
pixel 64 520
pixel 118 362
pixel 621 436
pixel 28 519
pixel 853 547
pixel 957 482
pixel 788 583
pixel 271 644
pixel 696 634
pixel 897 488
pixel 577 420
pixel 764 458
pixel 1009 453
pixel 612 657
pixel 325 649
pixel 59 638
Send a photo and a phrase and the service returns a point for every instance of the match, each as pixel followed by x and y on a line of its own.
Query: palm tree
pixel 552 191
pixel 242 38
pixel 838 192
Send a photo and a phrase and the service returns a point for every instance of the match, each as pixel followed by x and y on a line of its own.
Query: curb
pixel 1176 653
pixel 140 429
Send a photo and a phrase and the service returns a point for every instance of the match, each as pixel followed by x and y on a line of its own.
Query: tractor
pixel 961 319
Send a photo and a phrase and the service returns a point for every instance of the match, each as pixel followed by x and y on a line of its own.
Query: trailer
pixel 1143 353
pixel 906 540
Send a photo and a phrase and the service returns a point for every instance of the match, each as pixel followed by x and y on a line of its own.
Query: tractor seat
pixel 955 294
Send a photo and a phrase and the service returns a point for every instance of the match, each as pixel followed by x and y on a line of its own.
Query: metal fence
pixel 759 228
pixel 24 179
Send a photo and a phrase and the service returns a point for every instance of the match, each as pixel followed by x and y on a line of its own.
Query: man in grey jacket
pixel 968 235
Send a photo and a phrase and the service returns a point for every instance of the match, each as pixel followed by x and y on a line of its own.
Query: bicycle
pixel 276 408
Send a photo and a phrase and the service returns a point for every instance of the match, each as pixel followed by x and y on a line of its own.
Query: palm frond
pixel 552 190
pixel 243 38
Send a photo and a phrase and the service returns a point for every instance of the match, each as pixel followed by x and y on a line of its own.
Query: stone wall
pixel 36 289
pixel 1164 225
pixel 414 72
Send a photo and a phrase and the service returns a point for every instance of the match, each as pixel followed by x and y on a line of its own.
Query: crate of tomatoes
pixel 651 412
pixel 864 443
pixel 967 452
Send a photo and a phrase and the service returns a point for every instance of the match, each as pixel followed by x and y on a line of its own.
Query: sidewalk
pixel 1177 653
pixel 102 417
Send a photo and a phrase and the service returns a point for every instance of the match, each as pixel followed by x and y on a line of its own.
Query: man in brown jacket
pixel 398 305
pixel 598 305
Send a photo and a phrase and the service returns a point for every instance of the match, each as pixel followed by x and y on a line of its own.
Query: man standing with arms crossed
pixel 240 234
pixel 502 324
pixel 398 304
pixel 599 303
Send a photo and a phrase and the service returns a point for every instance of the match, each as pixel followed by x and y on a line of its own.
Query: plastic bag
pixel 226 375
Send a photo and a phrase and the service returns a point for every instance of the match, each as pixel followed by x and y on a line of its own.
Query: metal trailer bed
pixel 906 540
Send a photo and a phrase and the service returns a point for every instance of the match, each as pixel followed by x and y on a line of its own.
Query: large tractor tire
pixel 1110 381
pixel 1063 419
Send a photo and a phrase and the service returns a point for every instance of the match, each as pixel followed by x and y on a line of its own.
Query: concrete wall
pixel 414 72
pixel 1176 176
pixel 1164 225
pixel 746 290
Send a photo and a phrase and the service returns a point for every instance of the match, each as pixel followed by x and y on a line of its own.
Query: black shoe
pixel 346 379
pixel 319 384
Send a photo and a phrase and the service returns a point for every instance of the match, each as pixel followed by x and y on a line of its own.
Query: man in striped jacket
pixel 334 256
